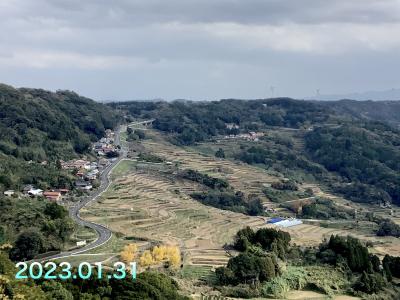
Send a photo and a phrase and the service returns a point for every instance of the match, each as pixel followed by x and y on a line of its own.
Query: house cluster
pixel 86 172
pixel 31 191
pixel 251 136
pixel 106 144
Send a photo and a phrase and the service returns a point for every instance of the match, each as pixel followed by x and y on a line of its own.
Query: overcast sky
pixel 200 49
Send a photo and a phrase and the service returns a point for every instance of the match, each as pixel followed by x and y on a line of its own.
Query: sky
pixel 200 49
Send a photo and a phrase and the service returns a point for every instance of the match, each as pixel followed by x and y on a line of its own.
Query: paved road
pixel 103 233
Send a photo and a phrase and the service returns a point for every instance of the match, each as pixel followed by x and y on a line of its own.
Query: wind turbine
pixel 272 89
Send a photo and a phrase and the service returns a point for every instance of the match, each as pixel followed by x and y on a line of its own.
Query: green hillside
pixel 191 122
pixel 384 111
pixel 38 125
pixel 355 155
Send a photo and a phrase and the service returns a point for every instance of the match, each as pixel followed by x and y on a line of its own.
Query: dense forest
pixel 38 125
pixel 366 156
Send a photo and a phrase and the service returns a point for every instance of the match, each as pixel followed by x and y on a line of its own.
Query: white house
pixel 35 192
pixel 83 185
pixel 9 193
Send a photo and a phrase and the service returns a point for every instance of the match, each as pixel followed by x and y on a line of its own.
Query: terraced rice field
pixel 242 177
pixel 148 207
pixel 144 204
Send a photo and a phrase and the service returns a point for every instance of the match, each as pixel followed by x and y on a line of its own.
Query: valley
pixel 195 199
pixel 148 205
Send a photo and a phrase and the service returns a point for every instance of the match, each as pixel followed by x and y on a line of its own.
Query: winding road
pixel 103 233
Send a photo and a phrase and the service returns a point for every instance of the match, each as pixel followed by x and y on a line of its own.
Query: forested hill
pixel 38 125
pixel 353 147
pixel 384 111
pixel 193 122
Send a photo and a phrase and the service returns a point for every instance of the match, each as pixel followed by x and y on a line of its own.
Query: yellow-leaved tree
pixel 174 256
pixel 159 253
pixel 128 254
pixel 146 260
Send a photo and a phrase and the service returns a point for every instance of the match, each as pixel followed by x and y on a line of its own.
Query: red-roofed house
pixel 63 191
pixel 54 196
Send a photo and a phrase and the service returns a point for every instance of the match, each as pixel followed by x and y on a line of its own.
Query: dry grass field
pixel 146 204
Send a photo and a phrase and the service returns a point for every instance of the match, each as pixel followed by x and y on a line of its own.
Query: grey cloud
pixel 200 48
pixel 118 13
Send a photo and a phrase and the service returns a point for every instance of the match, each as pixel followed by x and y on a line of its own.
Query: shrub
pixel 388 228
pixel 27 246
pixel 323 279
pixel 370 283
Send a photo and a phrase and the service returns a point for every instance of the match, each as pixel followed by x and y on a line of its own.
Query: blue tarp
pixel 274 220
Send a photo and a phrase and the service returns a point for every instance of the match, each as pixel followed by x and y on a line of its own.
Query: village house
pixel 9 193
pixel 100 153
pixel 94 171
pixel 105 144
pixel 231 126
pixel 27 188
pixel 35 192
pixel 251 136
pixel 103 162
pixel 52 195
pixel 80 173
pixel 91 175
pixel 63 191
pixel 83 185
pixel 75 164
pixel 109 133
pixel 254 136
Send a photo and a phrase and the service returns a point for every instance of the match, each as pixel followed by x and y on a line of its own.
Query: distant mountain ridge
pixel 392 94
pixel 383 111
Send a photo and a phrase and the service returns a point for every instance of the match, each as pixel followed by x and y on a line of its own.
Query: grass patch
pixel 114 245
pixel 76 260
pixel 123 168
pixel 203 273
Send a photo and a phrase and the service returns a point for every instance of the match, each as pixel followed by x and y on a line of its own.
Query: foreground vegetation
pixel 34 226
pixel 269 266
pixel 148 285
